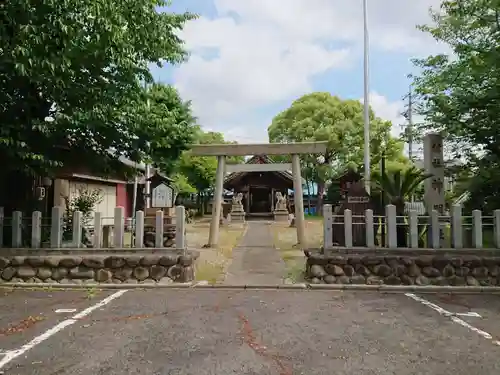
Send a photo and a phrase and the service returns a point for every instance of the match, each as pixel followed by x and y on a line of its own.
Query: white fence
pixel 438 231
pixel 18 226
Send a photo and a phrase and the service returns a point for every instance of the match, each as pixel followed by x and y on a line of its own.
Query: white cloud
pixel 257 52
pixel 390 111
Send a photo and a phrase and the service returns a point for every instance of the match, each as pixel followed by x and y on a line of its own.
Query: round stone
pixel 123 274
pixel 329 279
pixel 8 273
pixel 26 272
pixel 157 272
pixel 59 273
pixel 141 273
pixel 333 269
pixel 422 280
pixel 103 275
pixel 349 270
pixel 81 273
pixel 168 260
pixel 317 271
pixel 93 262
pixel 359 280
pixel 114 262
pixel 4 262
pixel 44 273
pixel 392 280
pixel 35 261
pixel 382 270
pixel 185 260
pixel 70 262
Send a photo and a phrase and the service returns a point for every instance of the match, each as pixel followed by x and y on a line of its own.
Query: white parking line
pixel 452 316
pixel 59 311
pixel 469 314
pixel 13 354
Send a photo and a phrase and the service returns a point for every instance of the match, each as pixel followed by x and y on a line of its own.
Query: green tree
pixel 200 171
pixel 322 117
pixel 397 187
pixel 72 75
pixel 165 126
pixel 459 93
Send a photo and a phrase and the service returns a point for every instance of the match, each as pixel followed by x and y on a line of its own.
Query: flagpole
pixel 366 109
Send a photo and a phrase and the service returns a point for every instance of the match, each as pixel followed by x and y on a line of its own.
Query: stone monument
pixel 280 211
pixel 237 211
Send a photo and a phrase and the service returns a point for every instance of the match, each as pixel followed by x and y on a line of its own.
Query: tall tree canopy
pixel 72 74
pixel 200 170
pixel 322 117
pixel 459 94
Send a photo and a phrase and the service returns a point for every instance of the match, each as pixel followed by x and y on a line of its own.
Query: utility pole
pixel 409 130
pixel 366 94
pixel 408 127
pixel 147 186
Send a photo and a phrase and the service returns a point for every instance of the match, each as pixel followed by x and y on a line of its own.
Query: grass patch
pixel 294 265
pixel 285 238
pixel 91 292
pixel 313 217
pixel 295 272
pixel 228 239
pixel 209 271
pixel 213 262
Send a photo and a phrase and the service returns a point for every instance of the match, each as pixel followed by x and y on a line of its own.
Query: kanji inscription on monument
pixel 434 165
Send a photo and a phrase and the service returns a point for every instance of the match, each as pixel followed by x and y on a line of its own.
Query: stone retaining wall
pixel 405 268
pixel 82 267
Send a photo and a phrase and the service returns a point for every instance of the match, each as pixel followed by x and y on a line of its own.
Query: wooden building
pixel 259 188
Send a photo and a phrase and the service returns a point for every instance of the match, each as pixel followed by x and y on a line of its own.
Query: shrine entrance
pixel 260 200
pixel 224 150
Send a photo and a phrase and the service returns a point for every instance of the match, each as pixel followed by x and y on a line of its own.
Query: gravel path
pixel 255 260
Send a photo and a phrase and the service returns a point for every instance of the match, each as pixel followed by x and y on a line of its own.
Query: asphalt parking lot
pixel 220 332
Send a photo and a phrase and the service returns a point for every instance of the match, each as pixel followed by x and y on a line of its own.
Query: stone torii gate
pixel 221 151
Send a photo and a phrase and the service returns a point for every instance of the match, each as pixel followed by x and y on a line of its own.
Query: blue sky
pixel 251 58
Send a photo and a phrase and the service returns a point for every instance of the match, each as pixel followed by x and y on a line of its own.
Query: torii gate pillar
pixel 213 237
pixel 298 197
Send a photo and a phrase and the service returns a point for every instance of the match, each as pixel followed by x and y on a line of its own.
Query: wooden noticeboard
pixel 358 201
pixel 162 196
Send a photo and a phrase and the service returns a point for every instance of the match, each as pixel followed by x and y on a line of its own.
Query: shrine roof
pixel 258 159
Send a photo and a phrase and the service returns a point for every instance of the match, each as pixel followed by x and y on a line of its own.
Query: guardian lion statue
pixel 237 199
pixel 280 202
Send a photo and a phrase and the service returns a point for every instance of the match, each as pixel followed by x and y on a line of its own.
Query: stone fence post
pixel 327 227
pixel 180 229
pixel 77 229
pixel 56 227
pixel 119 227
pixel 17 229
pixel 370 235
pixel 477 229
pixel 457 241
pixel 36 229
pixel 413 225
pixel 159 224
pixel 139 229
pixel 496 230
pixel 391 220
pixel 97 230
pixel 348 228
